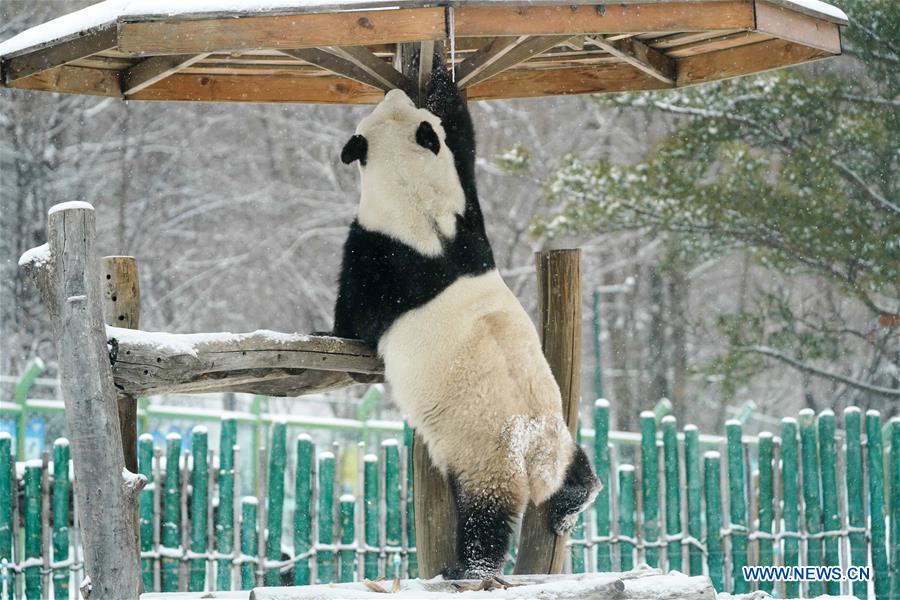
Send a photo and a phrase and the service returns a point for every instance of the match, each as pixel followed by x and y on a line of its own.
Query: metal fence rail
pixel 810 495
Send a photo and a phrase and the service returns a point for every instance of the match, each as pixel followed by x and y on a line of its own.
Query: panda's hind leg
pixel 578 490
pixel 484 528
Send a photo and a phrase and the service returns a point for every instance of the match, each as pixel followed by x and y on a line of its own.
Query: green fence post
pixel 6 500
pixel 303 493
pixel 766 504
pixel 694 485
pixel 673 492
pixel 392 504
pixel 894 466
pixel 275 499
pixel 348 534
pixel 856 512
pixel 412 562
pixel 20 396
pixel 199 506
pixel 650 487
pixel 145 507
pixel 601 466
pixel 62 491
pixel 876 504
pixel 33 579
pixel 171 525
pixel 626 517
pixel 713 520
pixel 812 500
pixel 225 513
pixel 791 494
pixel 249 541
pixel 831 520
pixel 372 514
pixel 325 558
pixel 737 505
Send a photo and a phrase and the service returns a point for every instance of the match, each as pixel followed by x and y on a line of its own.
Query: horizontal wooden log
pixel 603 18
pixel 262 362
pixel 352 28
pixel 640 584
pixel 782 22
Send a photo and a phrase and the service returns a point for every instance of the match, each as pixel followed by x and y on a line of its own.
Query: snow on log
pixel 261 362
pixel 640 584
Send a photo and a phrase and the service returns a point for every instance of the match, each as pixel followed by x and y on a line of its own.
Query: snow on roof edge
pixel 106 13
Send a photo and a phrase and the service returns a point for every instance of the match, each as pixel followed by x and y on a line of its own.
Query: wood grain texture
pixel 253 362
pixel 69 285
pixel 612 18
pixel 361 28
pixel 525 49
pixel 72 80
pixel 781 22
pixel 60 53
pixel 559 288
pixel 148 71
pixel 733 62
pixel 339 66
pixel 640 56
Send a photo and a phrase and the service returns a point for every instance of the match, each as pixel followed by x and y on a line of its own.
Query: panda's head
pixel 410 188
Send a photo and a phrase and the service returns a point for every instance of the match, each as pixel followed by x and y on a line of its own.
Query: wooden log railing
pixel 262 362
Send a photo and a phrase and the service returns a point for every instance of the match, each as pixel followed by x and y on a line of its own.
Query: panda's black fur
pixel 383 279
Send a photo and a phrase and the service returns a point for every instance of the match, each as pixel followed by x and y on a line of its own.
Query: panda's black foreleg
pixel 578 490
pixel 484 527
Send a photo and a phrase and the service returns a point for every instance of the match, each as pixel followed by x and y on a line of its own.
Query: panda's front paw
pixel 442 95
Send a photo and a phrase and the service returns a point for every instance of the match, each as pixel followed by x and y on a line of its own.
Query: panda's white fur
pixel 478 388
pixel 408 192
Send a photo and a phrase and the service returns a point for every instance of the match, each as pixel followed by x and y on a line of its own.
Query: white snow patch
pixel 36 256
pixel 253 500
pixel 732 423
pixel 765 434
pixel 602 403
pixel 690 427
pixel 817 8
pixel 712 454
pixel 132 480
pixel 5 435
pixel 668 419
pixel 827 413
pixel 187 343
pixel 789 420
pixel 61 442
pixel 86 585
pixel 326 455
pixel 145 437
pixel 647 414
pixel 71 205
pixel 34 463
pixel 873 413
pixel 173 436
pixel 390 442
pixel 347 498
pixel 807 412
pixel 199 429
pixel 626 468
pixel 370 458
pixel 304 437
pixel 851 409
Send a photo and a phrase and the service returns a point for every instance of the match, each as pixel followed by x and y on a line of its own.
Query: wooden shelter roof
pixel 345 51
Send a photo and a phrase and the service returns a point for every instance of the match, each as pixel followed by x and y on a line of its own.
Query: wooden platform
pixel 349 52
pixel 262 362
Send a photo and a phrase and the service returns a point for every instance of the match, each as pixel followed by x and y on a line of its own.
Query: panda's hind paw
pixel 442 97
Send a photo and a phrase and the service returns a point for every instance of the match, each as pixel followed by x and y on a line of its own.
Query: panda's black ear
pixel 427 137
pixel 356 148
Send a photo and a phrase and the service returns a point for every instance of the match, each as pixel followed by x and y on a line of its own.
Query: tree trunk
pixel 656 339
pixel 559 285
pixel 67 274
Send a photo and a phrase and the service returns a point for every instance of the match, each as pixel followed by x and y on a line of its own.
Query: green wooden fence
pixel 676 500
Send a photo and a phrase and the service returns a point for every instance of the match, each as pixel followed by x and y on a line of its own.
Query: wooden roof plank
pixel 381 70
pixel 603 18
pixel 720 43
pixel 525 49
pixel 60 54
pixel 797 27
pixel 359 28
pixel 72 80
pixel 151 70
pixel 339 66
pixel 484 57
pixel 640 56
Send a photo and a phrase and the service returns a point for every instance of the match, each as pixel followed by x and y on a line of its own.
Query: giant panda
pixel 462 357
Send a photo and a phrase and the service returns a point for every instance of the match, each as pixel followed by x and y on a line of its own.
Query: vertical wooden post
pixel 435 512
pixel 121 308
pixel 559 288
pixel 66 271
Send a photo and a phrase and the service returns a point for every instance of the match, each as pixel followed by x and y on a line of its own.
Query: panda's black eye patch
pixel 427 137
pixel 356 148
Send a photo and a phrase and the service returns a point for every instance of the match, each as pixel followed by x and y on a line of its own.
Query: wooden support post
pixel 559 288
pixel 66 272
pixel 435 511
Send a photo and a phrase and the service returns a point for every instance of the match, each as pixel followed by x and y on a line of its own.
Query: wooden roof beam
pixel 60 54
pixel 640 56
pixel 152 70
pixel 338 65
pixel 484 57
pixel 523 48
pixel 388 77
